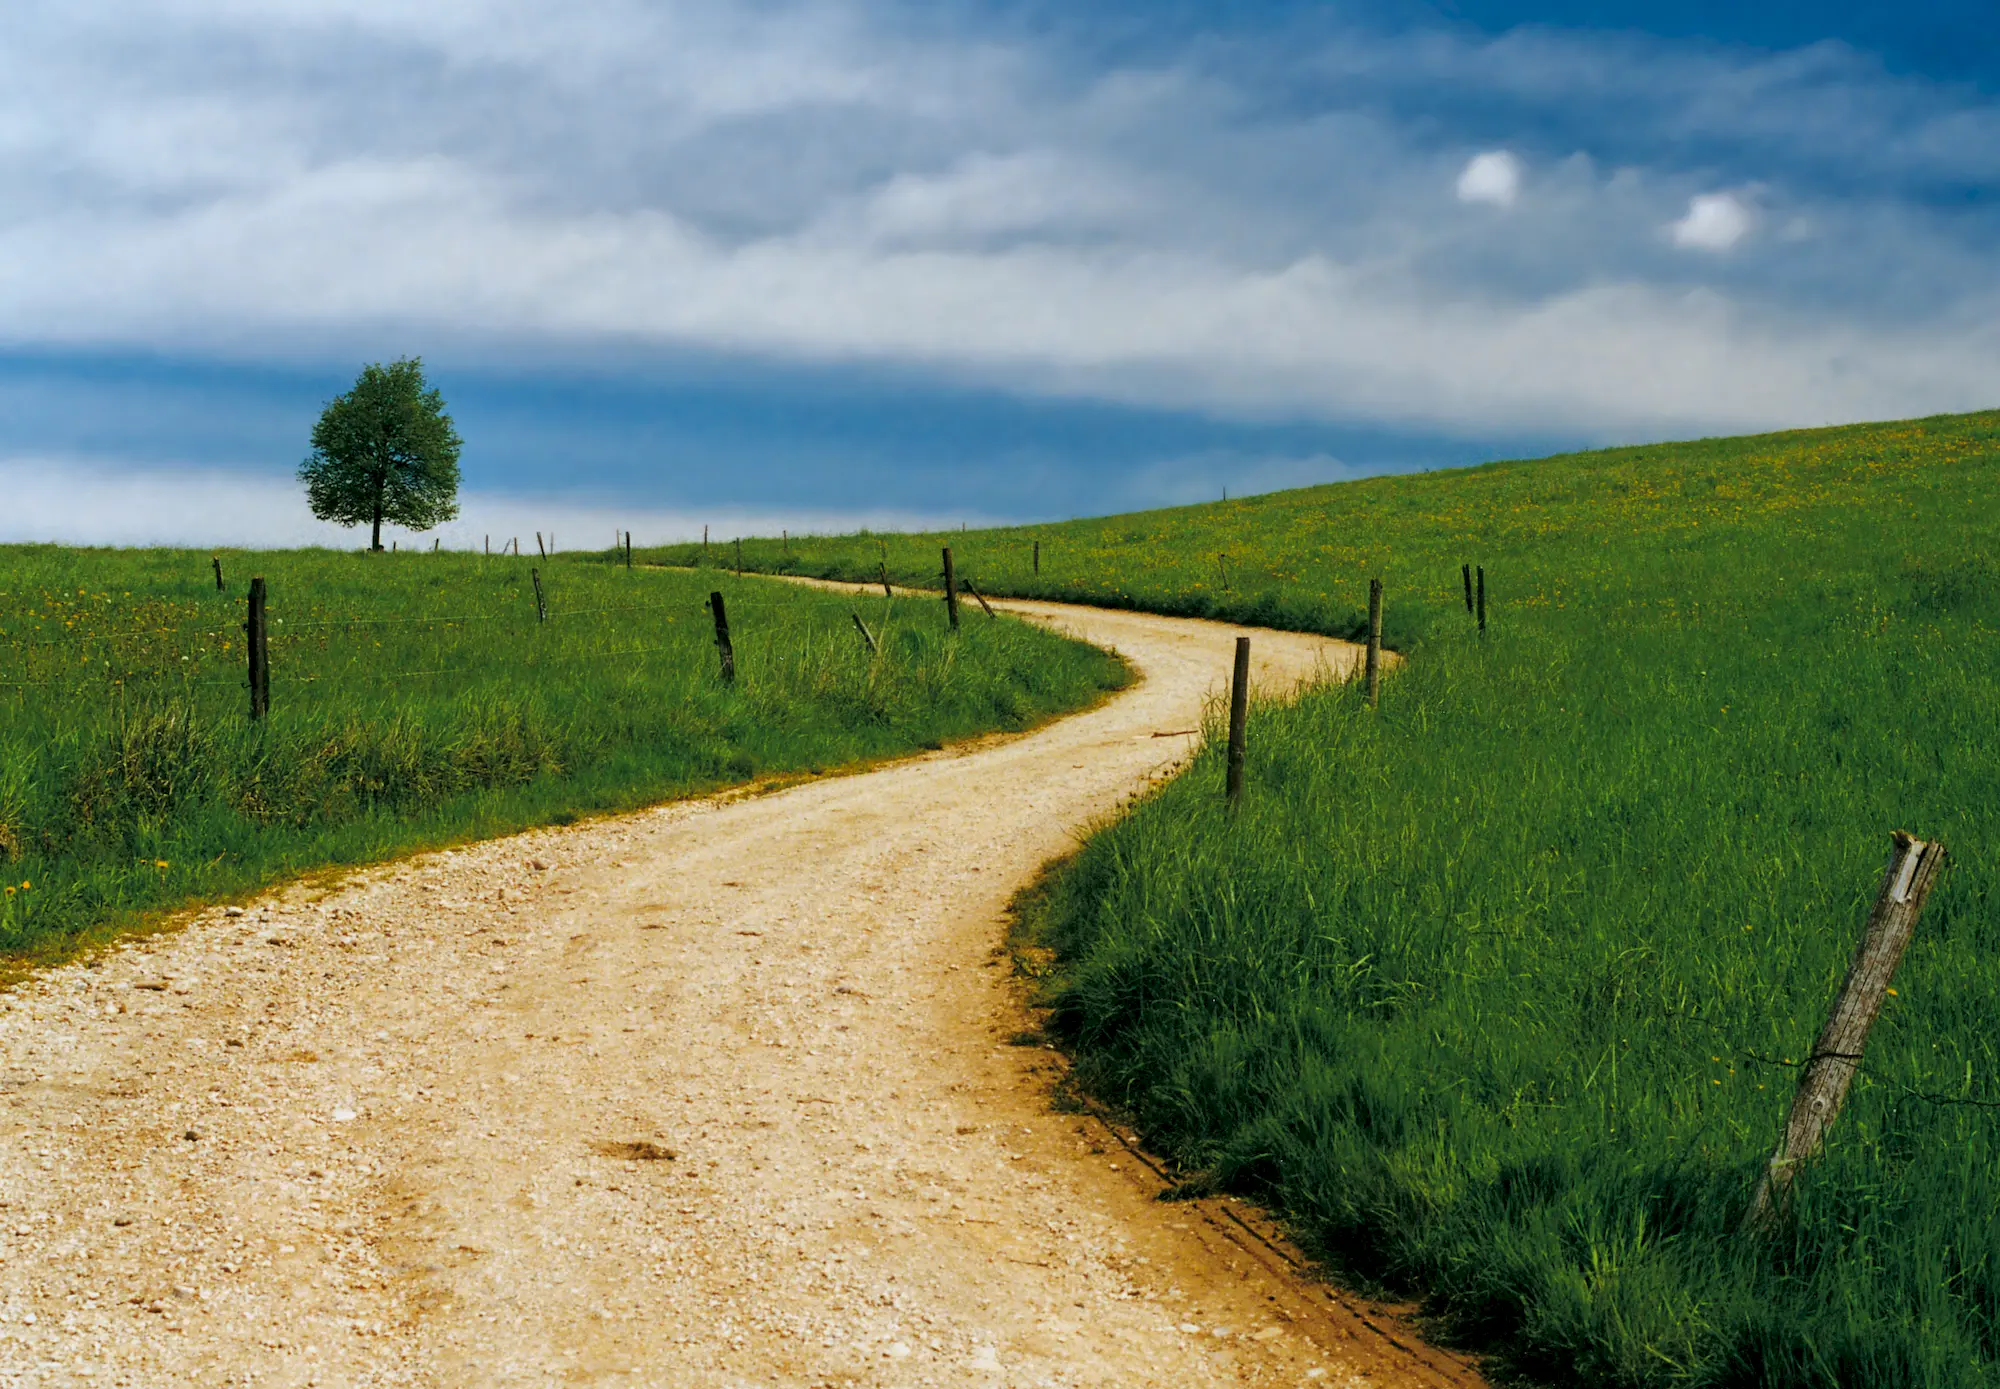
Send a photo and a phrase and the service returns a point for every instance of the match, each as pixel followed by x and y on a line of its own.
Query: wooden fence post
pixel 1465 572
pixel 1038 556
pixel 489 545
pixel 1374 642
pixel 1482 600
pixel 887 592
pixel 1836 1056
pixel 1239 716
pixel 950 590
pixel 1222 568
pixel 983 605
pixel 539 546
pixel 739 556
pixel 216 560
pixel 541 608
pixel 866 635
pixel 722 646
pixel 628 552
pixel 260 652
pixel 704 546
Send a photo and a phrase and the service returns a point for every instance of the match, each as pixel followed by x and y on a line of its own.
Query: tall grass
pixel 417 700
pixel 1497 990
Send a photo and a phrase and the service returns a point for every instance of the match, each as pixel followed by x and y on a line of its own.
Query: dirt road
pixel 717 1094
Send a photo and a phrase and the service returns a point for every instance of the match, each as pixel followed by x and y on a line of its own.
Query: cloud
pixel 1714 222
pixel 95 502
pixel 816 182
pixel 1493 177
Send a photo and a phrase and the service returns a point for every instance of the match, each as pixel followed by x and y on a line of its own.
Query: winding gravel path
pixel 716 1094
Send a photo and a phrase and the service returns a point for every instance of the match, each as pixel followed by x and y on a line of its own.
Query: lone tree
pixel 385 451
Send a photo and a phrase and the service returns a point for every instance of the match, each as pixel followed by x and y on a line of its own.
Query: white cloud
pixel 1714 222
pixel 93 502
pixel 806 181
pixel 1493 177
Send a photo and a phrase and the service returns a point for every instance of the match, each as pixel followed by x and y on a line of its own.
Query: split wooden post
pixel 722 646
pixel 866 635
pixel 1465 572
pixel 260 651
pixel 983 605
pixel 1374 642
pixel 1482 600
pixel 1239 717
pixel 887 592
pixel 950 590
pixel 1836 1056
pixel 216 560
pixel 1038 556
pixel 541 607
pixel 539 546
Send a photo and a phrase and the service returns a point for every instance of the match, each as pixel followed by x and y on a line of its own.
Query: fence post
pixel 739 556
pixel 866 635
pixel 260 652
pixel 950 590
pixel 1465 572
pixel 1038 557
pixel 887 592
pixel 983 605
pixel 1222 568
pixel 1836 1056
pixel 216 560
pixel 722 645
pixel 1239 715
pixel 1374 642
pixel 628 552
pixel 1482 600
pixel 541 608
pixel 539 546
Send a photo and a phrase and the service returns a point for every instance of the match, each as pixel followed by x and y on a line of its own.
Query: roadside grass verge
pixel 416 701
pixel 1497 991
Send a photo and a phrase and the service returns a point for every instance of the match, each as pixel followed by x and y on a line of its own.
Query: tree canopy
pixel 385 451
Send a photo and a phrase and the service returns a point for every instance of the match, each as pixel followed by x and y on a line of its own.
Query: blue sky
pixel 822 263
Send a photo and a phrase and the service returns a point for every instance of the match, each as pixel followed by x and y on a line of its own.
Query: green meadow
pixel 418 700
pixel 1498 991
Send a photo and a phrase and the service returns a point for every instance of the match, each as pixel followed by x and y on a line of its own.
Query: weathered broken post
pixel 722 646
pixel 950 590
pixel 1482 600
pixel 1038 556
pixel 984 606
pixel 628 552
pixel 1374 642
pixel 539 546
pixel 260 651
pixel 541 608
pixel 1239 715
pixel 216 560
pixel 887 592
pixel 1836 1056
pixel 866 635
pixel 1465 572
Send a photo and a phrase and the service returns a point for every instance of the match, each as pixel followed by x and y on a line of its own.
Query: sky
pixel 757 263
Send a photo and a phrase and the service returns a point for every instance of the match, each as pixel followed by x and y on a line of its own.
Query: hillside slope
pixel 1498 990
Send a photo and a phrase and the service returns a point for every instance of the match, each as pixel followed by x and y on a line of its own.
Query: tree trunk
pixel 376 543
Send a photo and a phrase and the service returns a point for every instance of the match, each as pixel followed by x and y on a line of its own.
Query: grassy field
pixel 416 700
pixel 1497 991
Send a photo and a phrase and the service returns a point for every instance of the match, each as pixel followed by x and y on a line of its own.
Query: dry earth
pixel 717 1094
